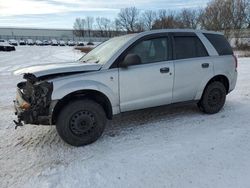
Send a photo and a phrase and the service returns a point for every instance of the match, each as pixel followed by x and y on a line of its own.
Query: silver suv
pixel 127 73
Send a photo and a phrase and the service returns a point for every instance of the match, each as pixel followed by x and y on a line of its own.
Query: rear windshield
pixel 220 43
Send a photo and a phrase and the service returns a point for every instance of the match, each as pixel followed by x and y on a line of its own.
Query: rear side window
pixel 188 47
pixel 220 43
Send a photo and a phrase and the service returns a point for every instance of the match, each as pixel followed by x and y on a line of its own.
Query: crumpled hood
pixel 58 68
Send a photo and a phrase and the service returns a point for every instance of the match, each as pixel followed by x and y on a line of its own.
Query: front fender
pixel 61 90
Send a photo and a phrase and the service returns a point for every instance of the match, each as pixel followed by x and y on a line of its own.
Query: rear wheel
pixel 213 98
pixel 81 122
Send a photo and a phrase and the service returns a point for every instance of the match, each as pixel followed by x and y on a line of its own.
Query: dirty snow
pixel 163 147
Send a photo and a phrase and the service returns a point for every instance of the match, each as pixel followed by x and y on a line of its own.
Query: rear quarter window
pixel 220 43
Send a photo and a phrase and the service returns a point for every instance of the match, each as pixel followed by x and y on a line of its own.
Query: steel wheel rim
pixel 82 123
pixel 215 97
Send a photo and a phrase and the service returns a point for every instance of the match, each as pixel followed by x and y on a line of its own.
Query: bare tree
pixel 117 26
pixel 104 26
pixel 148 18
pixel 240 12
pixel 140 26
pixel 188 18
pixel 160 22
pixel 229 16
pixel 217 16
pixel 248 16
pixel 166 20
pixel 128 19
pixel 239 16
pixel 79 27
pixel 89 25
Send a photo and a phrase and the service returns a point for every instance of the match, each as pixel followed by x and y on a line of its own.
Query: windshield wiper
pixel 92 60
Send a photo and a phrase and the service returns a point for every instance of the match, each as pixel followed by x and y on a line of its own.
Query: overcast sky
pixel 62 13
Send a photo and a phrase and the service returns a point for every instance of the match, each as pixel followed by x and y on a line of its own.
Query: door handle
pixel 205 65
pixel 164 70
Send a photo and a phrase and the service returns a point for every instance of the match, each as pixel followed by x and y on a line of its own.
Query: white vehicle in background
pixel 54 42
pixel 71 43
pixel 5 46
pixel 30 42
pixel 39 43
pixel 80 43
pixel 2 40
pixel 62 43
pixel 13 42
pixel 22 42
pixel 46 42
pixel 90 43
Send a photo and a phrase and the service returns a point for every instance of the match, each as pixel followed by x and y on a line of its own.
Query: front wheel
pixel 213 98
pixel 81 122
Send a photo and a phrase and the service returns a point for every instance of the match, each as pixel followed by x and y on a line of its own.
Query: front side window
pixel 151 50
pixel 188 47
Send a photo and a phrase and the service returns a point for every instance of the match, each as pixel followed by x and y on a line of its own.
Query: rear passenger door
pixel 192 65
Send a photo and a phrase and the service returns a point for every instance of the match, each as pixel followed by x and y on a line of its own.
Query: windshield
pixel 102 53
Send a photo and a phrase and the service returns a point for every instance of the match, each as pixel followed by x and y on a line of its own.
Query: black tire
pixel 81 122
pixel 213 98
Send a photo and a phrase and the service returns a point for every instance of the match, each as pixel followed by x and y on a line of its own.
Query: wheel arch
pixel 94 95
pixel 221 78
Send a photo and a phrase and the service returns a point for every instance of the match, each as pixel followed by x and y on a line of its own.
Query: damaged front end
pixel 33 101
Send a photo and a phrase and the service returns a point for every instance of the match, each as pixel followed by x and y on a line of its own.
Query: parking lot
pixel 161 147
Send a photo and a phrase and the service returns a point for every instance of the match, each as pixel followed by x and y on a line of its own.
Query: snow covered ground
pixel 163 147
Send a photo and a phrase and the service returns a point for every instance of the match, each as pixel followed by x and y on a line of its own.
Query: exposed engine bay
pixel 33 100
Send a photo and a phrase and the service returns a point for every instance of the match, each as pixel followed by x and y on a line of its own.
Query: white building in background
pixel 35 34
pixel 43 34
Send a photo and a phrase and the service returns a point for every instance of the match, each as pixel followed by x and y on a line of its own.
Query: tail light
pixel 235 61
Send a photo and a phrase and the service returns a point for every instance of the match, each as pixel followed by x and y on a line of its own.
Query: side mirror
pixel 130 59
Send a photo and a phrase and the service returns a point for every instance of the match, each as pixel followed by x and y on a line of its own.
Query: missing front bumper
pixel 33 100
pixel 27 117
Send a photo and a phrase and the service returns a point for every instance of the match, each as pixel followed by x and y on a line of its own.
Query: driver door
pixel 149 83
